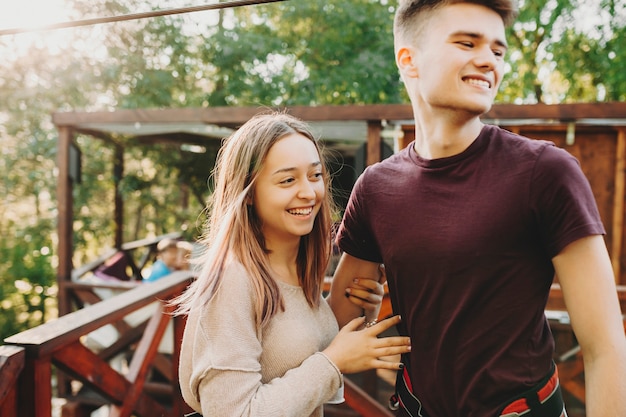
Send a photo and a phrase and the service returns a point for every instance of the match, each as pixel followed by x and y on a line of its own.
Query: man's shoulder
pixel 395 162
pixel 510 141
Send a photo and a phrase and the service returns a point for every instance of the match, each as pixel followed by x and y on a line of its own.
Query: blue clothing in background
pixel 159 270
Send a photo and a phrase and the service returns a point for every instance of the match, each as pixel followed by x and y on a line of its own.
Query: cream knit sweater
pixel 230 367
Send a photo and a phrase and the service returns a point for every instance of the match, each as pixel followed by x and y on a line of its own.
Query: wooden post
pixel 35 387
pixel 514 129
pixel 118 174
pixel 374 142
pixel 618 205
pixel 407 137
pixel 65 221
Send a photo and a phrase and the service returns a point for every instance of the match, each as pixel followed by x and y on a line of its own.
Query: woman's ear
pixel 405 59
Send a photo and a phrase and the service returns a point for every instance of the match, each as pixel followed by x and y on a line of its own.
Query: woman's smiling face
pixel 289 189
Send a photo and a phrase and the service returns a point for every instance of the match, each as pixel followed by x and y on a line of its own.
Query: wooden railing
pixel 137 255
pixel 31 358
pixel 30 361
pixel 12 362
pixel 87 377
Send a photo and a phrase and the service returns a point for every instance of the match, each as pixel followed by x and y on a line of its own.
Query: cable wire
pixel 135 16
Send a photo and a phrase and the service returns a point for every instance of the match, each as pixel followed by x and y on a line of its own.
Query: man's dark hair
pixel 408 10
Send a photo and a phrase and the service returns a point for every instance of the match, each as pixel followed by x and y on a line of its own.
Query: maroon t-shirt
pixel 467 243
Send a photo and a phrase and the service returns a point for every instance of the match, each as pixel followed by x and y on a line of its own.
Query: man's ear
pixel 405 59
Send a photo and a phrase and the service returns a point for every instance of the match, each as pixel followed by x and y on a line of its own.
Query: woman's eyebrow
pixel 289 169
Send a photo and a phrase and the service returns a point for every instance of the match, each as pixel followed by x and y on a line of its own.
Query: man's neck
pixel 444 135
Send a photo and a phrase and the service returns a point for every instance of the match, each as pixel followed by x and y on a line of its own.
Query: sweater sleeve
pixel 222 347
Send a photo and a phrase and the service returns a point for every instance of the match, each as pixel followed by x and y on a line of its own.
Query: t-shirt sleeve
pixel 563 201
pixel 355 235
pixel 224 343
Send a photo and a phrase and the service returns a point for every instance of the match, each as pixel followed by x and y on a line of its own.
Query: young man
pixel 473 223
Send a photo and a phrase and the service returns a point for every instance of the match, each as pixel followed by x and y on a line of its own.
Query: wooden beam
pixel 618 205
pixel 118 215
pixel 52 335
pixel 98 374
pixel 408 136
pixel 374 142
pixel 65 217
pixel 235 116
pixel 562 112
pixel 12 360
pixel 361 402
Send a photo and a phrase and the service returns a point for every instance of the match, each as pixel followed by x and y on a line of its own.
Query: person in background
pixel 183 255
pixel 260 339
pixel 167 260
pixel 472 223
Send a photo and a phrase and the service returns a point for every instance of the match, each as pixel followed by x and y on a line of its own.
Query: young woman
pixel 260 339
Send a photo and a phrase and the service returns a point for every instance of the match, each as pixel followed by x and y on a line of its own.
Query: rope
pixel 134 16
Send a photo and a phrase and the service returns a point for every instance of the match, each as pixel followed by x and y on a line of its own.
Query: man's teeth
pixel 481 83
pixel 301 212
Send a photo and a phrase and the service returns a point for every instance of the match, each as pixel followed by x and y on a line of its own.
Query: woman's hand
pixel 357 349
pixel 368 294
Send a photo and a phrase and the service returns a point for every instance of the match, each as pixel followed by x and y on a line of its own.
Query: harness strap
pixel 543 400
pixel 404 394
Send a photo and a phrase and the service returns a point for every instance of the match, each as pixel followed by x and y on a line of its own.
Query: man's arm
pixel 349 268
pixel 586 277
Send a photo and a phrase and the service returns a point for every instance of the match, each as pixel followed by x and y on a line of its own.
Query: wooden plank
pixel 12 361
pixel 408 136
pixel 561 112
pixel 82 270
pixel 238 115
pixel 65 217
pixel 361 402
pixel 151 241
pixel 132 335
pixel 96 373
pixel 118 201
pixel 618 205
pixel 142 360
pixel 50 336
pixel 35 388
pixel 374 142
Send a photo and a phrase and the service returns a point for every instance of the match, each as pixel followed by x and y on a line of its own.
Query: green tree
pixel 285 53
pixel 591 62
pixel 305 53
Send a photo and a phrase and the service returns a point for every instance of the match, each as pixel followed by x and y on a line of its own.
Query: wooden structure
pixel 88 379
pixel 594 133
pixel 36 353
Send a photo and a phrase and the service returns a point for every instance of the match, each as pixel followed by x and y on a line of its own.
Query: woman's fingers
pixel 368 285
pixel 385 324
pixel 401 346
pixel 381 364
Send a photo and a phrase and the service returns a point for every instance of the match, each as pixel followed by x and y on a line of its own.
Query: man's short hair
pixel 409 12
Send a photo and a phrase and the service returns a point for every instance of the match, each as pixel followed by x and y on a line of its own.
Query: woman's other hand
pixel 357 349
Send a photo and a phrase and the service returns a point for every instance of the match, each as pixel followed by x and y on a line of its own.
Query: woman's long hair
pixel 233 230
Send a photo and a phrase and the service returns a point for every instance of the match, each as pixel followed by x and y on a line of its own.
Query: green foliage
pixel 286 53
pixel 28 296
pixel 592 64
pixel 305 53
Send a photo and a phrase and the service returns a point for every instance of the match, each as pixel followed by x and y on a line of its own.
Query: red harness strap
pixel 543 400
pixel 546 396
